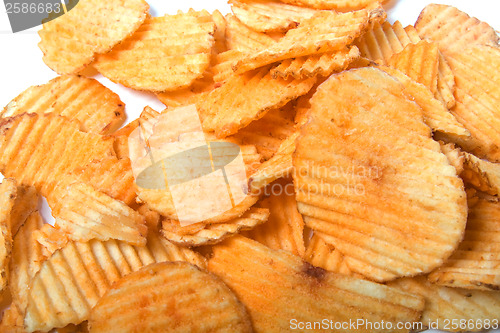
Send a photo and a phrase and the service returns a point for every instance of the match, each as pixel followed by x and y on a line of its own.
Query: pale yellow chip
pixel 478 96
pixel 453 309
pixel 277 287
pixel 373 180
pixel 326 31
pixel 452 28
pixel 39 150
pixel 8 193
pixel 161 56
pixel 75 277
pixel 217 232
pixel 340 5
pixel 481 174
pixel 85 213
pixel 98 109
pixel 240 37
pixel 321 254
pixel 284 229
pixel 228 109
pixel 476 262
pixel 270 15
pixel 70 42
pixel 164 296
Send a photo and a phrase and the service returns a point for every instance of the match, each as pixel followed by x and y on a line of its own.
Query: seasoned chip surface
pixel 8 193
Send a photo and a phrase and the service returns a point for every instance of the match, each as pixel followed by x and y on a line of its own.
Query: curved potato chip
pixel 8 193
pixel 26 203
pixel 239 37
pixel 340 5
pixel 51 239
pixel 321 254
pixel 481 174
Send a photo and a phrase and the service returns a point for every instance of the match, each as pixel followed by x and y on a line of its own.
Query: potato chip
pixel 478 96
pixel 470 310
pixel 270 15
pixel 70 42
pixel 394 216
pixel 39 150
pixel 75 277
pixel 452 28
pixel 160 55
pixel 240 37
pixel 277 287
pixel 223 67
pixel 25 204
pixel 454 155
pixel 340 5
pixel 98 109
pixel 51 239
pixel 284 229
pixel 445 83
pixel 321 254
pixel 320 64
pixel 133 303
pixel 481 174
pixel 84 213
pixel 12 321
pixel 324 32
pixel 228 109
pixel 216 232
pixel 8 193
pixel 475 264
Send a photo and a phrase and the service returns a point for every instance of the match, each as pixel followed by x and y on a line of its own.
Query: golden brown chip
pixel 240 37
pixel 452 28
pixel 70 42
pixel 326 31
pixel 216 232
pixel 75 277
pixel 280 289
pixel 478 96
pixel 228 109
pixel 159 297
pixel 8 193
pixel 340 5
pixel 39 150
pixel 160 55
pixel 85 213
pixel 270 15
pixel 453 309
pixel 445 83
pixel 481 174
pixel 51 239
pixel 98 109
pixel 476 262
pixel 321 254
pixel 12 321
pixel 224 62
pixel 25 204
pixel 371 179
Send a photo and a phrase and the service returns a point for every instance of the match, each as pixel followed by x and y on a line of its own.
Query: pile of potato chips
pixel 372 156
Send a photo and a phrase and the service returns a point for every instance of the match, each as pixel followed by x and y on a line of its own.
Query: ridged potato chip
pixel 12 321
pixel 160 55
pixel 278 287
pixel 181 292
pixel 84 213
pixel 39 150
pixel 394 216
pixel 70 42
pixel 340 5
pixel 452 28
pixel 481 174
pixel 8 193
pixel 476 262
pixel 321 254
pixel 98 109
pixel 51 239
pixel 26 203
pixel 75 277
pixel 239 37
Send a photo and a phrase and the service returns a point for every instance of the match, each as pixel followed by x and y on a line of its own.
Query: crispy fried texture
pixel 240 37
pixel 26 203
pixel 340 5
pixel 321 254
pixel 481 174
pixel 8 193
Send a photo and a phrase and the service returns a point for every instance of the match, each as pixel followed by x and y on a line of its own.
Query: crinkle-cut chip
pixel 70 42
pixel 27 258
pixel 242 38
pixel 453 29
pixel 169 296
pixel 445 83
pixel 84 213
pixel 318 64
pixel 97 108
pixel 267 133
pixel 278 166
pixel 481 174
pixel 164 54
pixel 419 61
pixel 189 95
pixel 276 286
pixel 8 193
pixel 454 155
pixel 39 150
pixel 12 321
pixel 339 5
pixel 477 98
pixel 270 15
pixel 228 109
pixel 223 68
pixel 75 277
pixel 476 262
pixel 26 203
pixel 372 179
pixel 51 239
pixel 321 254
pixel 216 232
pixel 436 116
pixel 443 305
pixel 327 31
pixel 284 229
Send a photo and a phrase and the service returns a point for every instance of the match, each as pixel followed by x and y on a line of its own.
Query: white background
pixel 21 62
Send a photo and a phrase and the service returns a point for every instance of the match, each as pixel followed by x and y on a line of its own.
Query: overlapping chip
pixel 277 287
pixel 70 42
pixel 98 109
pixel 340 5
pixel 241 38
pixel 371 178
pixel 481 174
pixel 26 203
pixel 51 239
pixel 321 254
pixel 180 292
pixel 8 193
